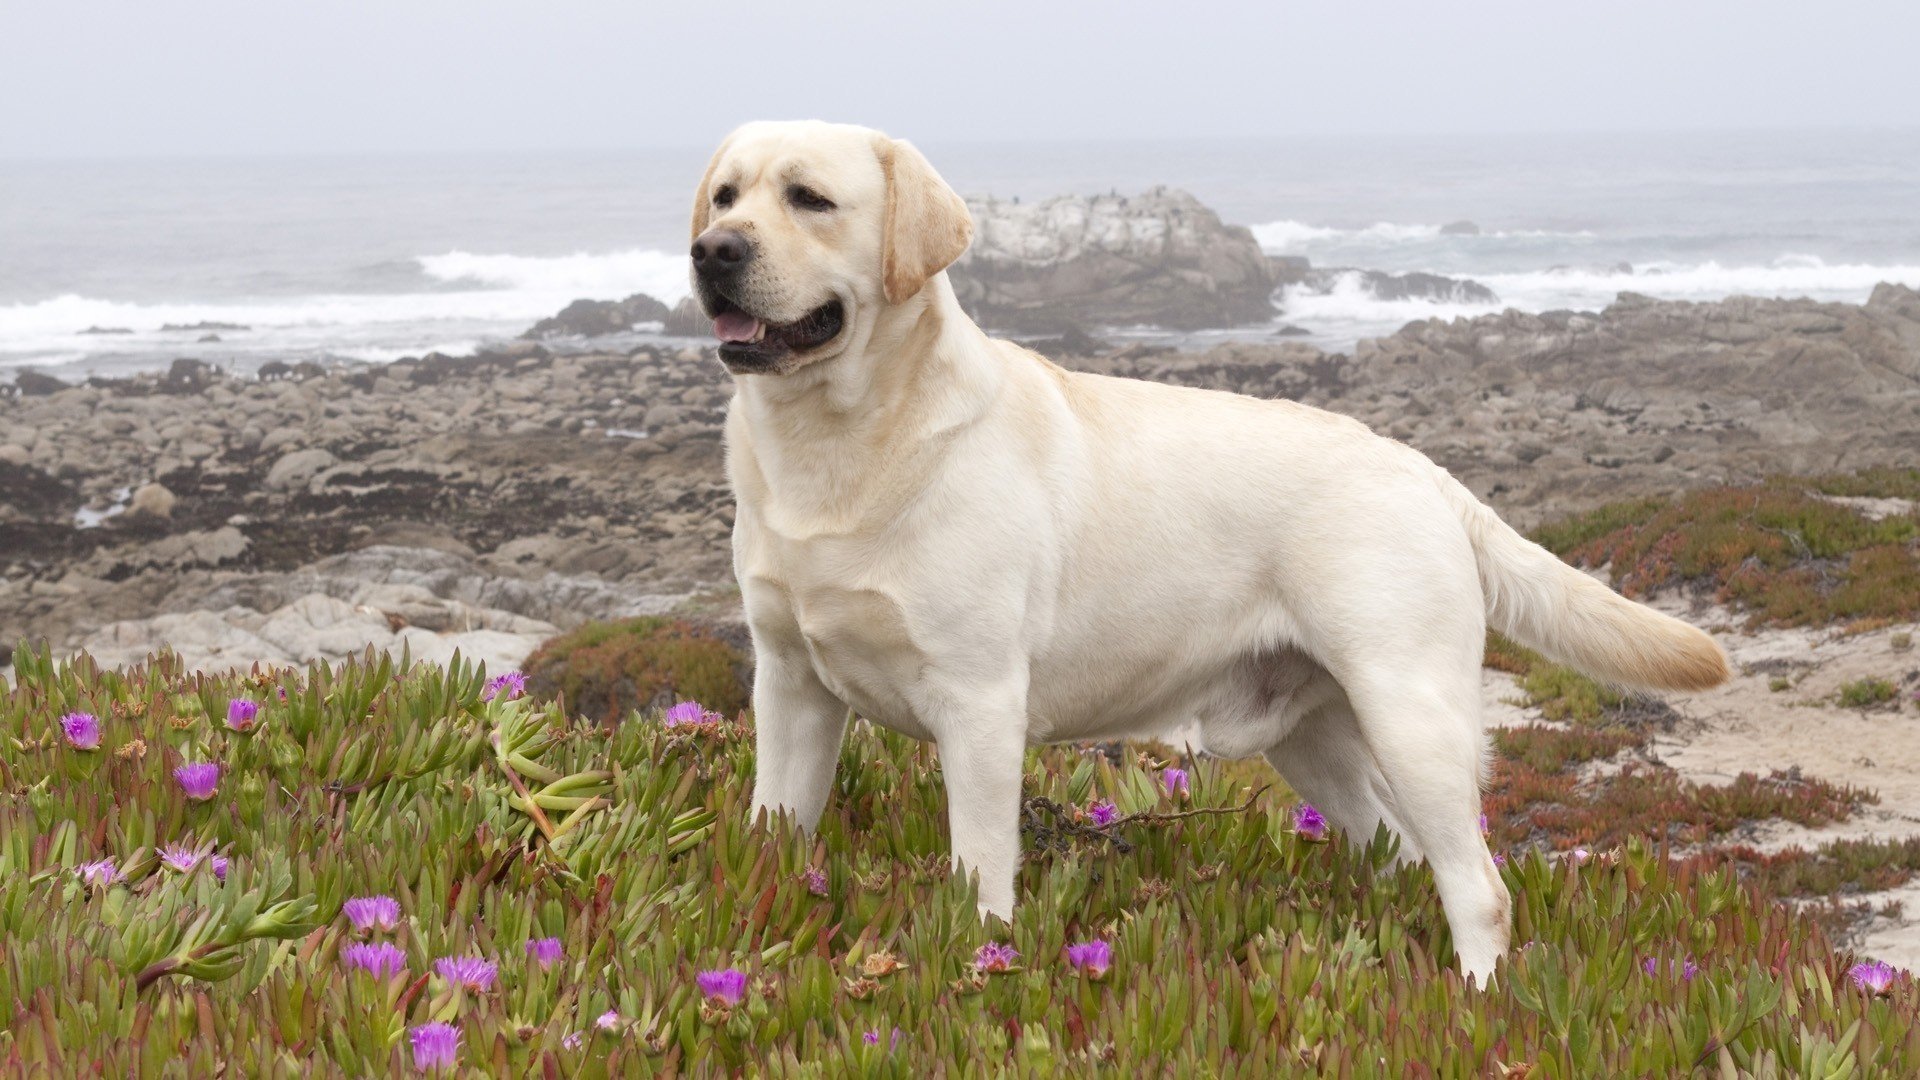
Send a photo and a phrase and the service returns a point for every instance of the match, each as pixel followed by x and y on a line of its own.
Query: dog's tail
pixel 1544 604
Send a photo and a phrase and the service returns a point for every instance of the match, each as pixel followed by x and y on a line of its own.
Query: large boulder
pixel 1160 258
pixel 592 318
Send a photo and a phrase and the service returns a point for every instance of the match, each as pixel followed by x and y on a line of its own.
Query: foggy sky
pixel 190 77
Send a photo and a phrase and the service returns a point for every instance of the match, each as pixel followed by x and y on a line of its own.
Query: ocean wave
pixel 610 275
pixel 1293 237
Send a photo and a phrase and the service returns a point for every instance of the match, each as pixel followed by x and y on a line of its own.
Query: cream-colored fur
pixel 961 541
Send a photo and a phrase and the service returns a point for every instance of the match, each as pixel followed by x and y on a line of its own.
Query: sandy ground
pixel 1747 726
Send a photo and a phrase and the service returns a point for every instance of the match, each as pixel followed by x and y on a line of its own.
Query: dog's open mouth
pixel 748 345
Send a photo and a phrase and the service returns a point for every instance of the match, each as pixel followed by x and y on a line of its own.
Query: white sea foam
pixel 611 275
pixel 1296 237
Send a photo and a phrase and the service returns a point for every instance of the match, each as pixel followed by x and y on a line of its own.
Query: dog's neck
pixel 819 436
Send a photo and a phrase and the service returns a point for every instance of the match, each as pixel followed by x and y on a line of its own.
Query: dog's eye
pixel 724 197
pixel 808 199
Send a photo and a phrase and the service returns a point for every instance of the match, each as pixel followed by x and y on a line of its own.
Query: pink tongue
pixel 736 326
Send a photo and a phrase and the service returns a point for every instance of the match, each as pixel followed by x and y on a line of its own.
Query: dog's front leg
pixel 980 759
pixel 798 725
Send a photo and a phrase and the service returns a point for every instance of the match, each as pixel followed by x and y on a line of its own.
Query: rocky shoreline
pixel 484 502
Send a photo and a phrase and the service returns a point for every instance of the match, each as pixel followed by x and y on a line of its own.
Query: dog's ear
pixel 703 196
pixel 927 223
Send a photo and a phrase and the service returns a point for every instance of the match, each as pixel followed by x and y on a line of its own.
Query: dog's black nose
pixel 720 250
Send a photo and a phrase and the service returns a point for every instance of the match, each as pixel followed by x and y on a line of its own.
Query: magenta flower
pixel 691 713
pixel 607 1021
pixel 1686 969
pixel 182 858
pixel 545 951
pixel 1499 858
pixel 1874 976
pixel 370 913
pixel 1093 957
pixel 816 881
pixel 1308 822
pixel 435 1046
pixel 574 1040
pixel 726 985
pixel 381 959
pixel 198 780
pixel 1103 813
pixel 82 730
pixel 512 684
pixel 993 956
pixel 98 874
pixel 219 864
pixel 1484 827
pixel 872 1038
pixel 476 973
pixel 1579 856
pixel 242 715
pixel 1174 780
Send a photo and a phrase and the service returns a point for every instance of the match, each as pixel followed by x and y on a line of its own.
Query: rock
pixel 107 330
pixel 1409 286
pixel 34 384
pixel 1160 258
pixel 151 501
pixel 1290 330
pixel 687 320
pixel 203 325
pixel 14 454
pixel 1073 342
pixel 187 376
pixel 1459 228
pixel 592 318
pixel 297 468
pixel 207 339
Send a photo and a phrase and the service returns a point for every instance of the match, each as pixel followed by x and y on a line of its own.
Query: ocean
pixel 372 258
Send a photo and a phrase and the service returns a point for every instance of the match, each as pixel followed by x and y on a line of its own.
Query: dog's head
pixel 804 233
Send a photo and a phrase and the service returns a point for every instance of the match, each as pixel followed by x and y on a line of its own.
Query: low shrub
pixel 1866 693
pixel 606 670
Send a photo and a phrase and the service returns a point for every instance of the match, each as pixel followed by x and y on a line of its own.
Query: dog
pixel 952 537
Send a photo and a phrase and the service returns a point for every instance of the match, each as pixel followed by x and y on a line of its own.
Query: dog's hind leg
pixel 1420 717
pixel 1329 764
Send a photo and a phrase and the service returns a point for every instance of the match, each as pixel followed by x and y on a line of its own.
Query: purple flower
pixel 1499 858
pixel 98 874
pixel 1579 856
pixel 1686 969
pixel 691 712
pixel 727 985
pixel 198 780
pixel 993 956
pixel 242 714
pixel 607 1021
pixel 1174 780
pixel 545 951
pixel 872 1038
pixel 476 973
pixel 435 1046
pixel 370 913
pixel 1484 828
pixel 511 684
pixel 574 1040
pixel 1874 976
pixel 219 864
pixel 381 959
pixel 1308 822
pixel 1093 957
pixel 82 730
pixel 1103 813
pixel 816 881
pixel 182 858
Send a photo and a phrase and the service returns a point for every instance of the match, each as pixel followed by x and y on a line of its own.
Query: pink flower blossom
pixel 1093 957
pixel 725 985
pixel 994 956
pixel 1103 813
pixel 198 780
pixel 435 1046
pixel 242 715
pixel 1308 822
pixel 82 730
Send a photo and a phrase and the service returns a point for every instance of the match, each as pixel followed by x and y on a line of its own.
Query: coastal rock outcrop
pixel 1160 258
pixel 593 318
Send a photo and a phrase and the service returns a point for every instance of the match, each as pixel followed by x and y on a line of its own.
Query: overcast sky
pixel 82 77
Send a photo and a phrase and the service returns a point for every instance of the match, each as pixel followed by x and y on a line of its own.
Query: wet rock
pixel 593 318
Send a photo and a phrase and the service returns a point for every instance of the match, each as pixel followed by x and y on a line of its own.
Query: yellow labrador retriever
pixel 957 539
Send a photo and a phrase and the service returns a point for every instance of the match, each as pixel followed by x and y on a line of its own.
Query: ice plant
pixel 1309 822
pixel 1686 969
pixel 435 1046
pixel 607 1021
pixel 726 985
pixel 243 715
pixel 98 873
pixel 1175 780
pixel 994 956
pixel 1873 976
pixel 1093 957
pixel 370 913
pixel 182 858
pixel 198 780
pixel 545 951
pixel 816 881
pixel 82 730
pixel 1103 813
pixel 476 973
pixel 507 685
pixel 381 959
